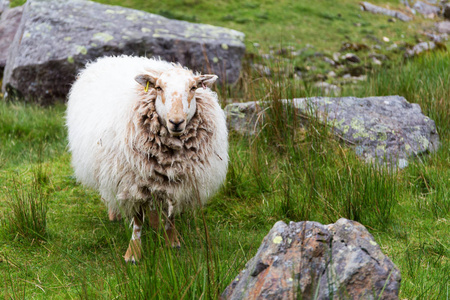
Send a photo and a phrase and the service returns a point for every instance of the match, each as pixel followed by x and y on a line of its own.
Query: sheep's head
pixel 175 101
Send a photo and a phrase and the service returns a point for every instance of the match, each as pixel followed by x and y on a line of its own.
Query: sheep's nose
pixel 176 123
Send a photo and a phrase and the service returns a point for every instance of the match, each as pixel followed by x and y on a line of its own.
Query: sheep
pixel 148 135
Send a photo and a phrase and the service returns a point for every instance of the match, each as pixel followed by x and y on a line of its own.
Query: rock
pixel 429 11
pixel 308 260
pixel 443 27
pixel 437 38
pixel 57 37
pixel 327 88
pixel 380 10
pixel 386 130
pixel 329 60
pixel 350 57
pixel 4 5
pixel 9 23
pixel 392 47
pixel 446 11
pixel 375 61
pixel 420 48
pixel 332 74
pixel 354 47
pixel 262 70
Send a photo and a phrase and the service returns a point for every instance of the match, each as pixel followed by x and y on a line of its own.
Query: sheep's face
pixel 175 101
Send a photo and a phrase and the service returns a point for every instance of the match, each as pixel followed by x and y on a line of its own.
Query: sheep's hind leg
pixel 171 234
pixel 134 251
pixel 113 216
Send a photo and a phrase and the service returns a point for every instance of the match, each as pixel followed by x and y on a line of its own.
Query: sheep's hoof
pixel 114 216
pixel 134 252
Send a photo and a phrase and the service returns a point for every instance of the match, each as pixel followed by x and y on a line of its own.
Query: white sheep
pixel 147 134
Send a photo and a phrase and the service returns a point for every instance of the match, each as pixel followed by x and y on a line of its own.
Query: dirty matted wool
pixel 156 167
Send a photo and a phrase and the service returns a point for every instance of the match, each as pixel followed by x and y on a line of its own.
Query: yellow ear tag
pixel 146 87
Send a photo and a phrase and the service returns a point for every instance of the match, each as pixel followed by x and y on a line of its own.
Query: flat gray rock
pixel 443 27
pixel 381 129
pixel 9 22
pixel 384 11
pixel 308 260
pixel 427 10
pixel 57 37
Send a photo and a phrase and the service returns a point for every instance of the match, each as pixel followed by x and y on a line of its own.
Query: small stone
pixel 328 60
pixel 375 61
pixel 350 57
pixel 392 47
pixel 386 39
pixel 331 74
pixel 336 56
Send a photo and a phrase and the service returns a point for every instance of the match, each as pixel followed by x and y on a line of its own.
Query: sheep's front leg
pixel 134 251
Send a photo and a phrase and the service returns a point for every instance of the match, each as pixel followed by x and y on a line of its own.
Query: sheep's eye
pixel 193 88
pixel 158 88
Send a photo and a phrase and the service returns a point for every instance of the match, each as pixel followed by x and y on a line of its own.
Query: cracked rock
pixel 56 38
pixel 308 260
pixel 386 130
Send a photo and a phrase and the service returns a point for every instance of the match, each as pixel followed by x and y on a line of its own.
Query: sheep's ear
pixel 142 79
pixel 206 80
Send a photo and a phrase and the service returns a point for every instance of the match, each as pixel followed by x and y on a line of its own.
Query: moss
pixel 103 36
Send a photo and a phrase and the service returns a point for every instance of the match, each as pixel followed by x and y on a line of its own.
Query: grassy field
pixel 62 246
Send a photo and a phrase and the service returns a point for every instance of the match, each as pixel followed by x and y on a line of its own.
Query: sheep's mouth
pixel 176 132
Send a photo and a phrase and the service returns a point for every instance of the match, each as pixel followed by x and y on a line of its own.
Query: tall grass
pixel 293 169
pixel 424 80
pixel 28 206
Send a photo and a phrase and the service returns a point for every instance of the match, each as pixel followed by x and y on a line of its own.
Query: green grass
pixel 286 172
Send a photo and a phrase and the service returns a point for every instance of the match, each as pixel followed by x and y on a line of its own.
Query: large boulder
pixel 308 260
pixel 381 129
pixel 57 37
pixel 9 22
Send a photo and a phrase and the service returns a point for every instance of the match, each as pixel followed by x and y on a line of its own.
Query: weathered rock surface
pixel 308 260
pixel 384 11
pixel 443 27
pixel 429 11
pixel 420 48
pixel 57 37
pixel 4 5
pixel 381 129
pixel 9 22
